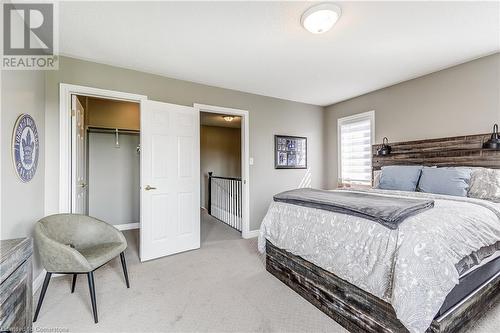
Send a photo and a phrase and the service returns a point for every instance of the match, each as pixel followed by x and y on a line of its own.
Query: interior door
pixel 78 165
pixel 170 179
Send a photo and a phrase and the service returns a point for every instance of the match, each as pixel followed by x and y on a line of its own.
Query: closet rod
pixel 111 130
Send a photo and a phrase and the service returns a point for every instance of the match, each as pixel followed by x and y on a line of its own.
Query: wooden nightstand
pixel 16 285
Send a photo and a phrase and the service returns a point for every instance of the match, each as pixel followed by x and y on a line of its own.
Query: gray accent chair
pixel 77 244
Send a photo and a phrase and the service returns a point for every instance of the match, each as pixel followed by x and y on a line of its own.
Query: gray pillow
pixel 400 177
pixel 485 184
pixel 449 181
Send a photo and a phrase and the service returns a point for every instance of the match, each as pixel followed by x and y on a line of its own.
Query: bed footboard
pixel 359 311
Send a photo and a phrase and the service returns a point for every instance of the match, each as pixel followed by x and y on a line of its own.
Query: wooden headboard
pixel 454 151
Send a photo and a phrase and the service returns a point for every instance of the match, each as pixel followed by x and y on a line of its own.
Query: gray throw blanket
pixel 388 211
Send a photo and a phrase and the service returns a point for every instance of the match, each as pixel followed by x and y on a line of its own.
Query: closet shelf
pixel 111 130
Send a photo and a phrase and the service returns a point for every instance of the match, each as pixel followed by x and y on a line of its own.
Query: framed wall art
pixel 25 147
pixel 290 152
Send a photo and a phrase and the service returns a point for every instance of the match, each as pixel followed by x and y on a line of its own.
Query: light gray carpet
pixel 223 287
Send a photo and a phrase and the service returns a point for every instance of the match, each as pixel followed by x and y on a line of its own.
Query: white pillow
pixel 376 178
pixel 485 184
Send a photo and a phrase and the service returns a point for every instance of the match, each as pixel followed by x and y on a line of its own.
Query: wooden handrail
pixel 218 177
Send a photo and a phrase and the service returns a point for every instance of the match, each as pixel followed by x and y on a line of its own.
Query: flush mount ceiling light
pixel 228 118
pixel 320 18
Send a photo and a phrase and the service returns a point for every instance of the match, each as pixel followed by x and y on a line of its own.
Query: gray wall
pixel 460 100
pixel 22 204
pixel 268 116
pixel 113 178
pixel 220 152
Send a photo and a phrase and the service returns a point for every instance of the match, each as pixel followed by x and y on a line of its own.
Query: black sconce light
pixel 494 141
pixel 385 149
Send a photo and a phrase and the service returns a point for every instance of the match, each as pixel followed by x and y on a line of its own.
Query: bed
pixel 413 278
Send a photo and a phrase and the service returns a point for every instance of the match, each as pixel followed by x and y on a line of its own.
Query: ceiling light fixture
pixel 228 118
pixel 320 18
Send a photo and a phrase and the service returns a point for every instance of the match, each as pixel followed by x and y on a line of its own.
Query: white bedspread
pixel 412 268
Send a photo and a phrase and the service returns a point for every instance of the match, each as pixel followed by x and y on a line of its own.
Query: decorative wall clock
pixel 25 147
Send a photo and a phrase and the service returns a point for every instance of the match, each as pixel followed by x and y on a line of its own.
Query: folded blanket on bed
pixel 388 211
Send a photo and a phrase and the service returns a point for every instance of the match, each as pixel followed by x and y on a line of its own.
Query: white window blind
pixel 355 135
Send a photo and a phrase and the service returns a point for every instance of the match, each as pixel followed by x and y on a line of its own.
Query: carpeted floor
pixel 222 287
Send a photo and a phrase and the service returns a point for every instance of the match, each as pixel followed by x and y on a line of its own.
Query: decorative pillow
pixel 485 184
pixel 400 177
pixel 376 178
pixel 449 181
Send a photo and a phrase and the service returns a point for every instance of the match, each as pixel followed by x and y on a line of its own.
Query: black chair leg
pixel 42 294
pixel 124 266
pixel 73 283
pixel 90 276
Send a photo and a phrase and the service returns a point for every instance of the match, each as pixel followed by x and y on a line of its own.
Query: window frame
pixel 370 115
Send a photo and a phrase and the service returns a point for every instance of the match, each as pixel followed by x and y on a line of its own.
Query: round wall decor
pixel 25 147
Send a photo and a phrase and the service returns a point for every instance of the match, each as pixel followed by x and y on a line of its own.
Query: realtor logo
pixel 29 39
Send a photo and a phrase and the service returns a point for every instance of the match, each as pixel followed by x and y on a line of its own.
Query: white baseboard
pixel 251 234
pixel 127 226
pixel 38 281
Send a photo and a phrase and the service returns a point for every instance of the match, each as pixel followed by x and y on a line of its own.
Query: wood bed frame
pixel 359 311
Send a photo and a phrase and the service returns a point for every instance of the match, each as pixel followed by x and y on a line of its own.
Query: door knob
pixel 148 188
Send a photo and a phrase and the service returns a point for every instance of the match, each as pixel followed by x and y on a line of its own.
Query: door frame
pixel 65 135
pixel 75 156
pixel 245 160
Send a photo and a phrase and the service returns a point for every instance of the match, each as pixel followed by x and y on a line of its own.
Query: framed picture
pixel 290 152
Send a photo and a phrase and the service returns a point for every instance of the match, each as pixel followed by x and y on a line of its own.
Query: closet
pixel 134 163
pixel 112 130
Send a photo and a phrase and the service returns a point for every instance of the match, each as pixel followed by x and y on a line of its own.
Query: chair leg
pixel 42 294
pixel 73 283
pixel 90 276
pixel 124 266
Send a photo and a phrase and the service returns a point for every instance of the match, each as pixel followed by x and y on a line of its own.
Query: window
pixel 355 138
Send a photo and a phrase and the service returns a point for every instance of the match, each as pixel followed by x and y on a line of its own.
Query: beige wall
pixel 112 114
pixel 21 203
pixel 220 152
pixel 460 100
pixel 267 117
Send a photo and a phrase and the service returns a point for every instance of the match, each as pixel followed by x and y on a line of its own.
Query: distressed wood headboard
pixel 453 151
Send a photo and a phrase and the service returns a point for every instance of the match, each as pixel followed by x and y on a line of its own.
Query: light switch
pixel 250 160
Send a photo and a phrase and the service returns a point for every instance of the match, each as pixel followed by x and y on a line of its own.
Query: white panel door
pixel 79 157
pixel 170 179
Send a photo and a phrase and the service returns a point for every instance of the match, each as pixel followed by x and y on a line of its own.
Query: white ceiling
pixel 260 47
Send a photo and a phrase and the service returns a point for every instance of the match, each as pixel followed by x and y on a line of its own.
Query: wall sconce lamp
pixel 385 149
pixel 494 141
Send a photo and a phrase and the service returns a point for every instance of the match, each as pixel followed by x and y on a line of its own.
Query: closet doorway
pixel 106 160
pixel 168 191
